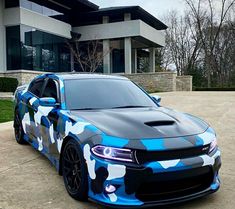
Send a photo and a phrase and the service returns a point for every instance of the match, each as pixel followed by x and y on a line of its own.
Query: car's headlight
pixel 112 153
pixel 213 145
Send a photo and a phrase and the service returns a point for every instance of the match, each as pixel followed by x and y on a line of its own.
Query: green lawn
pixel 6 111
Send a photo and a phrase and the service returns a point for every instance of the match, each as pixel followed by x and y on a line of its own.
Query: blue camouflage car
pixel 113 143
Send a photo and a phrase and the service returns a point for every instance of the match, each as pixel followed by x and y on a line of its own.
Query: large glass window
pixel 13 47
pixel 118 57
pixel 31 49
pixel 32 6
pixel 91 56
pixel 38 8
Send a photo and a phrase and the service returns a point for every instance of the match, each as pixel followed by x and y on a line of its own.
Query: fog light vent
pixel 110 189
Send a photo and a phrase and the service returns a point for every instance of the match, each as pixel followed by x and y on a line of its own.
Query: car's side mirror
pixel 47 102
pixel 156 99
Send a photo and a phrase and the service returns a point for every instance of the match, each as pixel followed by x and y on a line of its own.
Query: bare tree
pixel 225 55
pixel 165 57
pixel 208 20
pixel 89 55
pixel 182 43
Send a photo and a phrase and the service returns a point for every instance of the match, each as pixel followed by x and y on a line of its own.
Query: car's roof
pixel 72 76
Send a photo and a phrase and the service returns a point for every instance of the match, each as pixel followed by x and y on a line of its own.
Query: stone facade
pixel 184 83
pixel 152 82
pixel 23 76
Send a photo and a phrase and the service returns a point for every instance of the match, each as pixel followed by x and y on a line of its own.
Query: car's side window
pixel 36 87
pixel 51 90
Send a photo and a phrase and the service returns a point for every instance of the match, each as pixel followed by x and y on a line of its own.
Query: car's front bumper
pixel 130 181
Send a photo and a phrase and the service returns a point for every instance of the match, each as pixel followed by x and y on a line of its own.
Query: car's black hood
pixel 142 123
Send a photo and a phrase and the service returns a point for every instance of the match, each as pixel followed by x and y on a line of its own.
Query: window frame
pixel 57 89
pixel 43 86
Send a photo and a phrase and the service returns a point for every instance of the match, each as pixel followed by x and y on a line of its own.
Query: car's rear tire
pixel 18 129
pixel 74 171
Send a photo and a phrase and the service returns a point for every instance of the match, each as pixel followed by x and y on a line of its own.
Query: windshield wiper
pixel 130 106
pixel 88 108
pixel 120 107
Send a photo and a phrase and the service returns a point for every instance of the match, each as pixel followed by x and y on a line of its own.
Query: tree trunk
pixel 209 79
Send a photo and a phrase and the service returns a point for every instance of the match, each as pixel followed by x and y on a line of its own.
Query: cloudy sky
pixel 156 7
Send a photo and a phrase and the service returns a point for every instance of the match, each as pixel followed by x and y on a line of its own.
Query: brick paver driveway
pixel 27 179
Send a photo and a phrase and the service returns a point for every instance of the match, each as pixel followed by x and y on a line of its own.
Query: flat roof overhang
pixel 137 29
pixel 68 6
pixel 117 13
pixel 22 16
pixel 140 42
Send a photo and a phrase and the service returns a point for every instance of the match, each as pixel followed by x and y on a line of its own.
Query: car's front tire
pixel 18 129
pixel 74 171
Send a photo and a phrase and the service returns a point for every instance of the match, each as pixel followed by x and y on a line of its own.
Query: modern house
pixel 33 36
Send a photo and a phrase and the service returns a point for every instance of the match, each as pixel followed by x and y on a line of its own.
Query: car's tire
pixel 74 171
pixel 18 129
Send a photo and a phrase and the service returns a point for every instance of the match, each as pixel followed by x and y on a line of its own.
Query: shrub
pixel 8 84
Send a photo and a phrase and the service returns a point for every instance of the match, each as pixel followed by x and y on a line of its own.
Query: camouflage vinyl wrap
pixel 47 128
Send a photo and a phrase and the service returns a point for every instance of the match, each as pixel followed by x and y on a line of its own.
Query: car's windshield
pixel 104 94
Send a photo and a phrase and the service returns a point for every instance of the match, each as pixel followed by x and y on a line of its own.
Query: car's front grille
pixel 175 184
pixel 143 156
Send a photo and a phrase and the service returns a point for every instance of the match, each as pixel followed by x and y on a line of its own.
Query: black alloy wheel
pixel 74 171
pixel 18 129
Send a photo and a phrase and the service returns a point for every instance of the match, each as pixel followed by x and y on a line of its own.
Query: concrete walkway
pixel 27 179
pixel 6 95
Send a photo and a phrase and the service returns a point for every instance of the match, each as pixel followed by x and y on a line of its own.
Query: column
pixel 135 60
pixel 2 40
pixel 105 19
pixel 127 16
pixel 127 46
pixel 106 51
pixel 152 60
pixel 106 58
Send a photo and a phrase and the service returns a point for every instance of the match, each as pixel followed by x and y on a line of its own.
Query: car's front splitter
pixel 163 202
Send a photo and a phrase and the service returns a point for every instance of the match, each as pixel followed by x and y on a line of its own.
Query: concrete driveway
pixel 27 179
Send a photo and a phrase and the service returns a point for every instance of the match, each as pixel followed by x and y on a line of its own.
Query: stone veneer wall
pixel 152 82
pixel 184 83
pixel 23 76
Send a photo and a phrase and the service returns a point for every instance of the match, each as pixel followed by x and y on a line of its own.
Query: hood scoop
pixel 159 123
